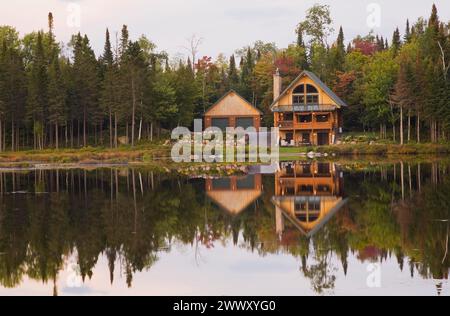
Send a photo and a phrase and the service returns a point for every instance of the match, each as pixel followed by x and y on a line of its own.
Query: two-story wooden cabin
pixel 307 195
pixel 307 112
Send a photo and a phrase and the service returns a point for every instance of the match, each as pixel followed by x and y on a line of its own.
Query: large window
pixel 323 118
pixel 288 117
pixel 305 94
pixel 304 118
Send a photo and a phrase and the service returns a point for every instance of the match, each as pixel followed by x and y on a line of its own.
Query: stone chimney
pixel 277 84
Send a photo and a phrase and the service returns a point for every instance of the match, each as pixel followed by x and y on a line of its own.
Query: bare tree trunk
pixel 151 131
pixel 1 135
pixel 402 179
pixel 56 135
pixel 12 133
pixel 115 130
pixel 409 126
pixel 140 129
pixel 401 126
pixel 110 130
pixel 66 133
pixel 133 114
pixel 418 127
pixel 84 129
pixel 419 177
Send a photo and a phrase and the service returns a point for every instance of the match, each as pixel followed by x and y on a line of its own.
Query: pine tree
pixel 408 35
pixel 135 71
pixel 433 22
pixel 109 97
pixel 124 41
pixel 247 76
pixel 186 94
pixel 233 76
pixel 86 78
pixel 37 92
pixel 338 53
pixel 56 98
pixel 12 93
pixel 396 42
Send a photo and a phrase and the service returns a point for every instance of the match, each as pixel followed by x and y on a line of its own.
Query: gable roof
pixel 228 94
pixel 234 202
pixel 318 225
pixel 318 82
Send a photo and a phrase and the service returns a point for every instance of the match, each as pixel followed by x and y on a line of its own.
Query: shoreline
pixel 158 156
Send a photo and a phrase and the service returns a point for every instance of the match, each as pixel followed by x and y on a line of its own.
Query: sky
pixel 223 25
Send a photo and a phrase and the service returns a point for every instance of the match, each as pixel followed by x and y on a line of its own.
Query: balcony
pixel 286 124
pixel 299 108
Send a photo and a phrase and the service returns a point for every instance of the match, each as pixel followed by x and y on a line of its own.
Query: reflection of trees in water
pixel 132 215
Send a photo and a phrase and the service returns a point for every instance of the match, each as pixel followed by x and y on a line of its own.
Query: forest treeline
pixel 54 95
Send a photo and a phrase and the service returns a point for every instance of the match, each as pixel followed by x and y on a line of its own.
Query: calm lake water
pixel 308 229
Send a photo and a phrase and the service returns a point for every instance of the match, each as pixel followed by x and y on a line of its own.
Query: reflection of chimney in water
pixel 279 222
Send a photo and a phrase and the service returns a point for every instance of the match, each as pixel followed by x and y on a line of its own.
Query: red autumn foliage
pixel 365 46
pixel 343 85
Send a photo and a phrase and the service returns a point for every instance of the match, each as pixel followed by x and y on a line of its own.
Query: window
pixel 289 170
pixel 299 99
pixel 324 189
pixel 314 206
pixel 305 94
pixel 306 169
pixel 312 99
pixel 322 118
pixel 311 89
pixel 323 168
pixel 306 188
pixel 301 206
pixel 300 89
pixel 290 191
pixel 306 139
pixel 288 117
pixel 302 118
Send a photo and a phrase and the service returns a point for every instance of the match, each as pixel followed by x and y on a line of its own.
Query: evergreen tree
pixel 56 98
pixel 109 94
pixel 86 78
pixel 233 76
pixel 408 35
pixel 37 92
pixel 337 54
pixel 396 42
pixel 12 93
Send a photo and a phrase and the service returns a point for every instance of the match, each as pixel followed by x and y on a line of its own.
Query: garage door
pixel 221 123
pixel 244 122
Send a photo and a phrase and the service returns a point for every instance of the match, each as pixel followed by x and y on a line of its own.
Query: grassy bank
pixel 371 150
pixel 158 154
pixel 144 153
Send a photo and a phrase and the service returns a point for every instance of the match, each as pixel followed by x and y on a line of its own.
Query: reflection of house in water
pixel 234 194
pixel 308 195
